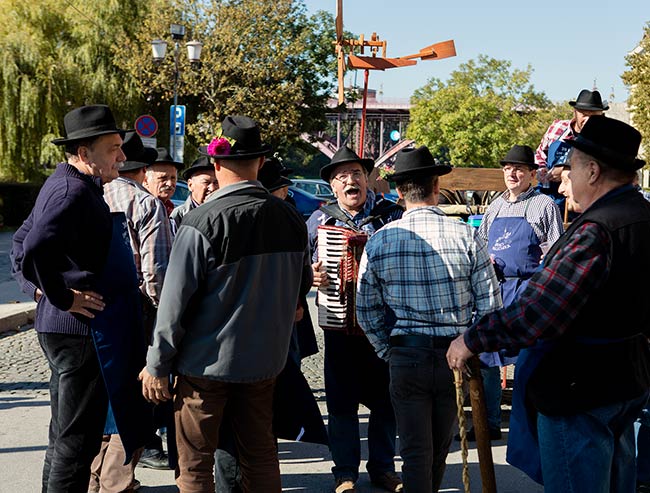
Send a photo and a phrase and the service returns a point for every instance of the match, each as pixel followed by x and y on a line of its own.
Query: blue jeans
pixel 79 403
pixel 355 375
pixel 592 451
pixel 492 387
pixel 424 397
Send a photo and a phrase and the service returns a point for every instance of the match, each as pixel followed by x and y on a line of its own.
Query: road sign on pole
pixel 177 120
pixel 146 126
pixel 177 131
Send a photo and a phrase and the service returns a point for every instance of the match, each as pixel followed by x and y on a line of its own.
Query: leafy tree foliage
pixel 267 60
pixel 480 112
pixel 637 78
pixel 55 56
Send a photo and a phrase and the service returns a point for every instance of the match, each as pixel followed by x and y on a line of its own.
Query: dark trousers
pixel 198 410
pixel 79 404
pixel 355 375
pixel 424 398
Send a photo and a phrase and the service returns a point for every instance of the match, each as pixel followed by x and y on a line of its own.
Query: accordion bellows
pixel 340 251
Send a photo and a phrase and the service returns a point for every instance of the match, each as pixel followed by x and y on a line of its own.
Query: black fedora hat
pixel 137 155
pixel 520 155
pixel 200 164
pixel 164 157
pixel 271 175
pixel 589 100
pixel 239 139
pixel 612 141
pixel 412 163
pixel 342 156
pixel 86 122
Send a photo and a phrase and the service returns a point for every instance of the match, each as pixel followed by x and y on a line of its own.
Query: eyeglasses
pixel 517 169
pixel 355 175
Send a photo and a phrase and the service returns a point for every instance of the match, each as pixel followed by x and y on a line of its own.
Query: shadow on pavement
pixel 11 450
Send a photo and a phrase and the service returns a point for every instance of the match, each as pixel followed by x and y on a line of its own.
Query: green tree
pixel 637 78
pixel 55 56
pixel 267 60
pixel 480 112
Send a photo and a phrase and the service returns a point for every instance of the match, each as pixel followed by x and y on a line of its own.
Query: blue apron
pixel 119 341
pixel 514 247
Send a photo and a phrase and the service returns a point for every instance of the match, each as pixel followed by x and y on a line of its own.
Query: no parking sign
pixel 146 126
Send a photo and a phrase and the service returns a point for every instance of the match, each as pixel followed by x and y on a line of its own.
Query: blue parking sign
pixel 177 120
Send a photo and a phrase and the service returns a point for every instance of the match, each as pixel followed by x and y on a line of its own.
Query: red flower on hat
pixel 220 146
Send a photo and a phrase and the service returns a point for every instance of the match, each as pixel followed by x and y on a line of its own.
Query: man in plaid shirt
pixel 421 278
pixel 584 374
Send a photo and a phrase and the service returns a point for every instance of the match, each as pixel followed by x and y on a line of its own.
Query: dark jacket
pixel 604 357
pixel 238 266
pixel 63 245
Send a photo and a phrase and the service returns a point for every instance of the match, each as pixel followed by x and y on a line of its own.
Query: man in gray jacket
pixel 224 322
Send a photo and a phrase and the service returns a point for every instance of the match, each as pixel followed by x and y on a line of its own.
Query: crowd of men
pixel 193 319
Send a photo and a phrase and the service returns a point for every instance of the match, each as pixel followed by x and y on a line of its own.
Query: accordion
pixel 340 251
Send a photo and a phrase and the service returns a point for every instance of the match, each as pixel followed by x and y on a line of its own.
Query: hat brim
pixel 587 107
pixel 179 166
pixel 132 165
pixel 614 159
pixel 262 151
pixel 532 166
pixel 280 183
pixel 326 171
pixel 189 172
pixel 63 141
pixel 437 170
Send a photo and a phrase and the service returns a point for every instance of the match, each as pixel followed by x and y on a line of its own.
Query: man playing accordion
pixel 354 374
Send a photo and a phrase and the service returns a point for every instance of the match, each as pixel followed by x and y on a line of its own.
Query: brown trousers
pixel 108 474
pixel 198 411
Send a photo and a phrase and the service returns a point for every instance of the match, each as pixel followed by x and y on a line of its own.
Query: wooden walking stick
pixel 462 426
pixel 481 430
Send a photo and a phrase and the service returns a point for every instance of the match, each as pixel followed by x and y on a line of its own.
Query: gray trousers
pixel 424 398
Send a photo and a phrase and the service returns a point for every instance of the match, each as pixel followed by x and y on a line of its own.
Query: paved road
pixel 24 417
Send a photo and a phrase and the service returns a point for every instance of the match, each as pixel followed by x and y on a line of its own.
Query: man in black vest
pixel 354 374
pixel 584 319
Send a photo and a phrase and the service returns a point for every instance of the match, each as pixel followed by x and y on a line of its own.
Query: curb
pixel 15 315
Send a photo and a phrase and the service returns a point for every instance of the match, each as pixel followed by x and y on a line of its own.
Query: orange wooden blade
pixel 444 49
pixel 339 20
pixel 377 63
pixel 436 51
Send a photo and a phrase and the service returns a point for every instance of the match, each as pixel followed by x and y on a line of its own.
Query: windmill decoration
pixel 437 51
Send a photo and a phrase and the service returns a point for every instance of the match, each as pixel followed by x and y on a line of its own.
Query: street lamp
pixel 159 50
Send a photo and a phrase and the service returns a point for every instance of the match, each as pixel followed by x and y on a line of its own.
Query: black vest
pixel 604 356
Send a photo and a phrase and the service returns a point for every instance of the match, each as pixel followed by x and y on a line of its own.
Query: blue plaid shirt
pixel 425 274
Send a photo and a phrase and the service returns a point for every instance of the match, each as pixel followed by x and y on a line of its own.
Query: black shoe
pixel 387 480
pixel 154 459
pixel 643 487
pixel 471 435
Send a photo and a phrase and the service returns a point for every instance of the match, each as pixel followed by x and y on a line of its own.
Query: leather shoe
pixel 471 435
pixel 154 459
pixel 345 485
pixel 387 480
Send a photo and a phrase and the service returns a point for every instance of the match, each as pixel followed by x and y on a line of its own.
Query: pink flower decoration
pixel 219 147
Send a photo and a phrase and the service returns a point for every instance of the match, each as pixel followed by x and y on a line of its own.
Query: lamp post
pixel 159 50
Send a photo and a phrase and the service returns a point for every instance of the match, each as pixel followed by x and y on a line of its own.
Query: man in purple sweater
pixel 61 251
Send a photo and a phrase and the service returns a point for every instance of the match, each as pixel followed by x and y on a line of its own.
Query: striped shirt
pixel 540 211
pixel 149 231
pixel 425 274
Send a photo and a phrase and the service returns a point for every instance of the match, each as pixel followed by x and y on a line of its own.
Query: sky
pixel 568 44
